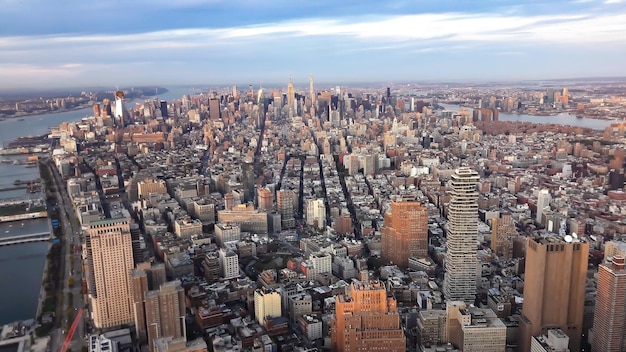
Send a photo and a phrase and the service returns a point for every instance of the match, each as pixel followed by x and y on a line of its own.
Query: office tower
pixel 609 321
pixel 163 107
pixel 316 213
pixel 214 109
pixel 265 199
pixel 353 164
pixel 106 108
pixel 285 202
pixel 388 93
pixel 119 104
pixel 369 164
pixel 96 110
pixel 235 93
pixel 291 96
pixel 312 91
pixel 266 304
pixel 109 261
pixel 461 263
pixel 229 263
pixel 165 312
pixel 554 288
pixel 496 114
pixel 503 232
pixel 366 318
pixel 144 277
pixel 405 233
pixel 549 95
pixel 543 201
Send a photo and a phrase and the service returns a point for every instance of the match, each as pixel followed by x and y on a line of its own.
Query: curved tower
pixel 461 263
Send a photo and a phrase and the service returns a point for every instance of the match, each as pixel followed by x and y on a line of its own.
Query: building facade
pixel 609 321
pixel 367 320
pixel 405 233
pixel 554 288
pixel 461 262
pixel 109 261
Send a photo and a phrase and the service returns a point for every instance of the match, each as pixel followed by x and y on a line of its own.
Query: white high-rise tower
pixel 461 263
pixel 543 201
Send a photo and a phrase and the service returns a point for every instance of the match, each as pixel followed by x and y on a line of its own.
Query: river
pixel 21 266
pixel 562 118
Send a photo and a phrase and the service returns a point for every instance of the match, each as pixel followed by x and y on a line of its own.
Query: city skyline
pixel 197 41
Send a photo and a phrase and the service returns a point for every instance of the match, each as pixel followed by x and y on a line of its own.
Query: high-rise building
pixel 291 96
pixel 165 312
pixel 316 213
pixel 214 109
pixel 285 203
pixel 554 288
pixel 144 278
pixel 267 303
pixel 96 110
pixel 609 321
pixel 543 201
pixel 109 261
pixel 366 318
pixel 461 263
pixel 503 232
pixel 163 107
pixel 312 91
pixel 405 233
pixel 229 263
pixel 265 199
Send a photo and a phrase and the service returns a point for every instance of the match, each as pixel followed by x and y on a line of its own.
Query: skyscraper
pixel 609 321
pixel 554 288
pixel 291 96
pixel 109 263
pixel 405 233
pixel 165 312
pixel 543 201
pixel 312 91
pixel 461 263
pixel 366 318
pixel 285 202
pixel 265 199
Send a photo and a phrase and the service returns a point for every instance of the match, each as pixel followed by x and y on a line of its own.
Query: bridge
pixel 33 237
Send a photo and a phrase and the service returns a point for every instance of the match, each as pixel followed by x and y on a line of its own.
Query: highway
pixel 71 229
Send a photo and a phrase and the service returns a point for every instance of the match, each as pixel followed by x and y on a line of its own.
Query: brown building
pixel 503 232
pixel 365 319
pixel 609 321
pixel 165 312
pixel 405 233
pixel 265 199
pixel 214 109
pixel 554 288
pixel 109 262
pixel 144 277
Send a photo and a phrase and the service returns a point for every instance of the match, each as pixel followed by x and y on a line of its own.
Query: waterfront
pixel 21 266
pixel 562 118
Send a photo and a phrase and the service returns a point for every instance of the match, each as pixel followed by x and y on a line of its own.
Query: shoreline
pixel 78 107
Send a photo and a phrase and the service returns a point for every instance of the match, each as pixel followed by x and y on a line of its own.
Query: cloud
pixel 306 42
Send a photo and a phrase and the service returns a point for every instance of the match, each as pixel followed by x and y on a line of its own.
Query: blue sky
pixel 51 43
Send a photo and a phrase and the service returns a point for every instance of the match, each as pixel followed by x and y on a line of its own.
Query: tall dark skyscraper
pixel 164 112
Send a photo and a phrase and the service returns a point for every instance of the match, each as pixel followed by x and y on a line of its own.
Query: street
pixel 71 229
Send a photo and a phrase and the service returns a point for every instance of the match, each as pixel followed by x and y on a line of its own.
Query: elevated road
pixel 33 237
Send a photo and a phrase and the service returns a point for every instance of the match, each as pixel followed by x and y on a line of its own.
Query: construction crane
pixel 71 331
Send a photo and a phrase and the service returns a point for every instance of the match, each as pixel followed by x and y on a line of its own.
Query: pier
pixel 33 237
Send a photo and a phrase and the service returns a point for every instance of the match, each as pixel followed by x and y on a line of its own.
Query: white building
pixel 543 201
pixel 225 233
pixel 266 304
pixel 316 213
pixel 229 263
pixel 322 262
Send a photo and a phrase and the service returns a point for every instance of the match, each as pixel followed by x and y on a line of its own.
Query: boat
pixel 20 120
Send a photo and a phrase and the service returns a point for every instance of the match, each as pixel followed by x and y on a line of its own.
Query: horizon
pixel 72 44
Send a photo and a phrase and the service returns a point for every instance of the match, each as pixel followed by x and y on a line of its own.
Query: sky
pixel 74 43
